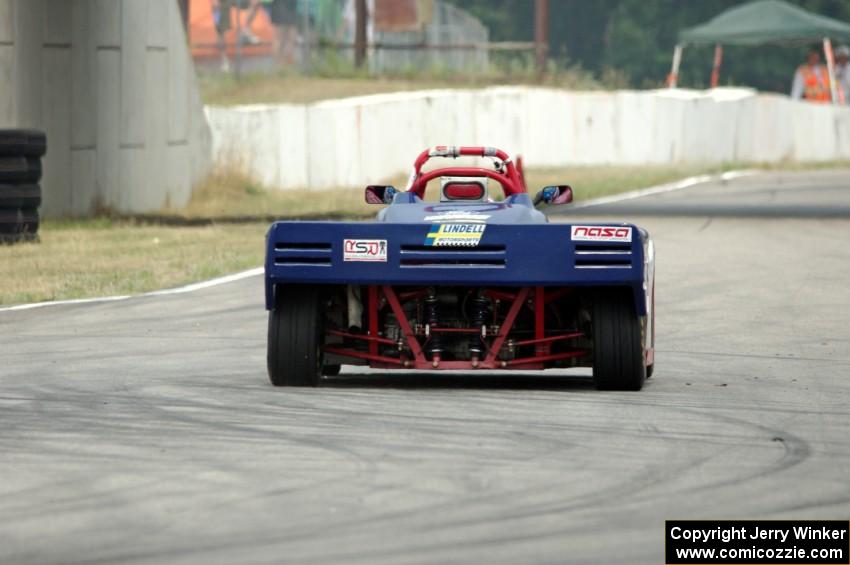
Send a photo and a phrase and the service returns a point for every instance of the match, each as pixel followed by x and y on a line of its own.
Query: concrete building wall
pixel 358 141
pixel 112 83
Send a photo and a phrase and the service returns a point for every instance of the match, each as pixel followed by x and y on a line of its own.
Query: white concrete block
pixel 28 71
pixel 371 139
pixel 547 137
pixel 256 146
pixel 729 93
pixel 709 130
pixel 56 181
pixel 156 133
pixel 332 138
pixel 636 123
pixel 773 129
pixel 447 116
pixel 721 142
pixel 134 110
pixel 842 132
pixel 757 138
pixel 200 146
pixel 593 128
pixel 83 73
pixel 668 124
pixel 107 165
pixel 84 192
pixel 814 131
pixel 158 23
pixel 178 175
pixel 112 83
pixel 292 158
pixel 57 17
pixel 200 136
pixel 744 134
pixel 498 120
pixel 181 78
pixel 8 116
pixel 107 27
pixel 7 27
pixel 387 137
pixel 135 182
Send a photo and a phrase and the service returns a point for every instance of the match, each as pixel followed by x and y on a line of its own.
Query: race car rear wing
pixel 359 253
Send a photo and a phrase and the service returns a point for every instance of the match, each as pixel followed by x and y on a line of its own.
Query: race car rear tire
pixel 294 354
pixel 618 353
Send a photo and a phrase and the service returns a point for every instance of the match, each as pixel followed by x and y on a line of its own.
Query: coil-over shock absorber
pixel 434 347
pixel 479 306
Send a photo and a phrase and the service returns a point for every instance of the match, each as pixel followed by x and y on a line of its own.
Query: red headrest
pixel 463 191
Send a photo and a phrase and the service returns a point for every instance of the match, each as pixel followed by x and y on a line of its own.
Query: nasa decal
pixel 601 233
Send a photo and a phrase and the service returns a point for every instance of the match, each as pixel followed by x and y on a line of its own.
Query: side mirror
pixel 557 194
pixel 380 194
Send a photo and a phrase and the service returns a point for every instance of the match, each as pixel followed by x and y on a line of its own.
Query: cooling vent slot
pixel 459 249
pixel 452 262
pixel 302 254
pixel 603 256
pixel 321 247
pixel 302 261
pixel 489 256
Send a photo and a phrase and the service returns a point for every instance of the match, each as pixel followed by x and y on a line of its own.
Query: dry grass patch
pixel 225 90
pixel 79 259
pixel 263 88
pixel 229 193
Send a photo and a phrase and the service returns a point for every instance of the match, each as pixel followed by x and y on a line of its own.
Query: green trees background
pixel 630 42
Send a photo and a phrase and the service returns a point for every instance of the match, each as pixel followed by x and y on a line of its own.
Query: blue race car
pixel 465 283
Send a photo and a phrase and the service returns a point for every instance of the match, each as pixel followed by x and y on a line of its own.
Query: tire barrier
pixel 21 151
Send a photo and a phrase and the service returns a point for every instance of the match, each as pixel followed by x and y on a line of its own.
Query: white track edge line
pixel 669 187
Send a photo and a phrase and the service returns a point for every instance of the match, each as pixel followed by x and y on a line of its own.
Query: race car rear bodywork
pixel 460 285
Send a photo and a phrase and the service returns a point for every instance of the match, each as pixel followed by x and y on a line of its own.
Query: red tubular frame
pixel 509 177
pixel 534 298
pixel 370 338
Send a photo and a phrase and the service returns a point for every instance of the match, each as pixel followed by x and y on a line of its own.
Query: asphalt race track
pixel 146 430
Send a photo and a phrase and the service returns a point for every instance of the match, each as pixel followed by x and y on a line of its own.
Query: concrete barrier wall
pixel 112 83
pixel 357 141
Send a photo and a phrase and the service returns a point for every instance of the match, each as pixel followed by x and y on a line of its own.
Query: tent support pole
pixel 830 66
pixel 673 77
pixel 715 69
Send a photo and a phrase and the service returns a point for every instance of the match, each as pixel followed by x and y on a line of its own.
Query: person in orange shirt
pixel 811 81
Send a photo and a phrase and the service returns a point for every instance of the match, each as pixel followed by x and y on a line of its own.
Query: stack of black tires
pixel 21 151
